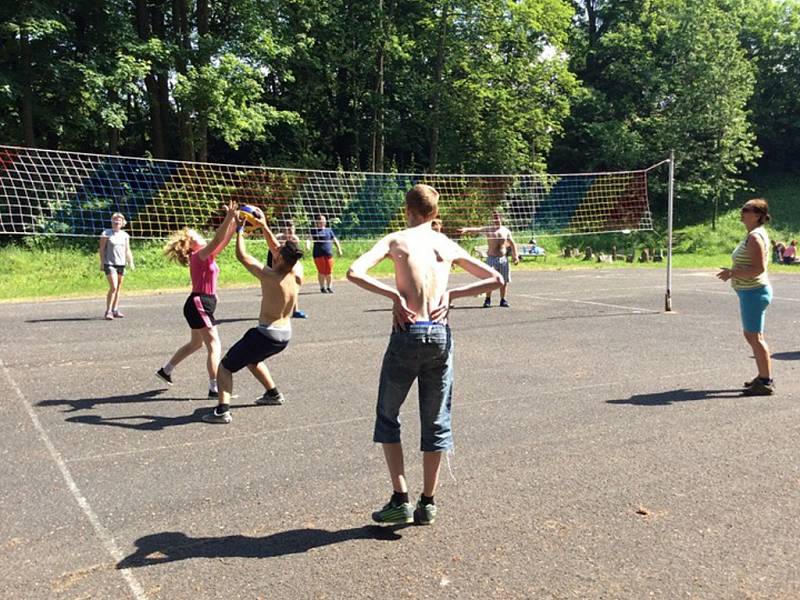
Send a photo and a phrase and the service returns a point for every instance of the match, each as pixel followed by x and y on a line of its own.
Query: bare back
pixel 278 296
pixel 422 260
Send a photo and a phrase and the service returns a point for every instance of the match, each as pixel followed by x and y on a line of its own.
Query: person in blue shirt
pixel 323 240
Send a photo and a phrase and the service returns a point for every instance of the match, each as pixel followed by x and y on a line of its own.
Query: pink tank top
pixel 204 274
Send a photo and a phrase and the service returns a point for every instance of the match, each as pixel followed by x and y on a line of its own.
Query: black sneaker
pixel 323 291
pixel 504 303
pixel 271 399
pixel 487 303
pixel 213 394
pixel 759 388
pixel 330 290
pixel 163 375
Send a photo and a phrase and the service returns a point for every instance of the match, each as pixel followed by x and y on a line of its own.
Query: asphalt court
pixel 602 451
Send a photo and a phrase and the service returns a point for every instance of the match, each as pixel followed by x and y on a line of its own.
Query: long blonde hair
pixel 179 246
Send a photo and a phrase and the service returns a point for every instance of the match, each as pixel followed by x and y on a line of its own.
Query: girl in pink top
pixel 188 248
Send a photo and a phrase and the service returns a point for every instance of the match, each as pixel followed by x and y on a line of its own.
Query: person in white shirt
pixel 115 255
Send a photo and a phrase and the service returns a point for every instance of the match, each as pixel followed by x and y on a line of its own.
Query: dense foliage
pixel 493 86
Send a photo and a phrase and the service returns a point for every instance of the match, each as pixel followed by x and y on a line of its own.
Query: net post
pixel 670 188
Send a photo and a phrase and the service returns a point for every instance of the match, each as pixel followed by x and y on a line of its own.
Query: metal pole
pixel 671 185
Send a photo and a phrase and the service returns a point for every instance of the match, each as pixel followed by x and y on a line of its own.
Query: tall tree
pixel 666 74
pixel 771 37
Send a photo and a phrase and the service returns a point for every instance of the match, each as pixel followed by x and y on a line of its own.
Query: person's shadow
pixel 89 403
pixel 149 422
pixel 142 422
pixel 787 355
pixel 673 396
pixel 170 546
pixel 66 319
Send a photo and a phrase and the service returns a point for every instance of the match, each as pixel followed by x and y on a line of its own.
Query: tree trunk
pixel 437 93
pixel 377 123
pixel 201 125
pixel 156 124
pixel 716 209
pixel 180 24
pixel 591 14
pixel 26 100
pixel 162 76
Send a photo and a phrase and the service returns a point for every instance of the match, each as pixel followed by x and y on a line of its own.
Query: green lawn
pixel 71 269
pixel 66 267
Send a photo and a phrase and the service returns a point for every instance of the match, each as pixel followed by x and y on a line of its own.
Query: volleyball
pixel 250 214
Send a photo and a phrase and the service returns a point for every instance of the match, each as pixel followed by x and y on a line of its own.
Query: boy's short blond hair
pixel 423 200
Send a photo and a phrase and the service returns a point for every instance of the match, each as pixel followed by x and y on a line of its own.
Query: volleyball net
pixel 74 194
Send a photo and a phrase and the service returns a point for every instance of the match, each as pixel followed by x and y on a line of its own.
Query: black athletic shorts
pixel 254 347
pixel 199 311
pixel 120 269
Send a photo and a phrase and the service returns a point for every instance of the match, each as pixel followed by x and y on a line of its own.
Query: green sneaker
pixel 425 514
pixel 394 513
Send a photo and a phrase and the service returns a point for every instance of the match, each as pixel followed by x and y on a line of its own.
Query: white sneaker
pixel 215 417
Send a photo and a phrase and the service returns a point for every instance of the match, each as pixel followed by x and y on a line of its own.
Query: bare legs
pixel 761 353
pixel 225 381
pixel 431 463
pixel 114 286
pixel 503 290
pixel 262 374
pixel 324 281
pixel 200 337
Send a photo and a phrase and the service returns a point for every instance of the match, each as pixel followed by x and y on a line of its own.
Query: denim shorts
pixel 424 351
pixel 753 304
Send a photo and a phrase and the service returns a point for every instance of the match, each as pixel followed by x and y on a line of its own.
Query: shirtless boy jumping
pixel 498 237
pixel 279 288
pixel 420 346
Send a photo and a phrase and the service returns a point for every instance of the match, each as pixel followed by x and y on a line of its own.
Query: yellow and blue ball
pixel 249 214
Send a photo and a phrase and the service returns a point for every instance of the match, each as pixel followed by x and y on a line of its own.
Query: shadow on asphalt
pixel 787 355
pixel 173 545
pixel 237 320
pixel 89 403
pixel 66 319
pixel 673 396
pixel 149 422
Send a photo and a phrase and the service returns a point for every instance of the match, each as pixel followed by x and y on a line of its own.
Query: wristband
pixel 240 229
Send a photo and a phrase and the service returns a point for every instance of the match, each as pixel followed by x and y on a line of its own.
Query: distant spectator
pixel 323 239
pixel 115 255
pixel 436 225
pixel 789 256
pixel 777 251
pixel 534 249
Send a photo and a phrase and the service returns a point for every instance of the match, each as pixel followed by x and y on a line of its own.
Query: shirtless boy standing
pixel 420 346
pixel 498 237
pixel 279 288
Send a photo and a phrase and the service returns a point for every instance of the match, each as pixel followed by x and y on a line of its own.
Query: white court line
pixel 102 532
pixel 732 294
pixel 633 309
